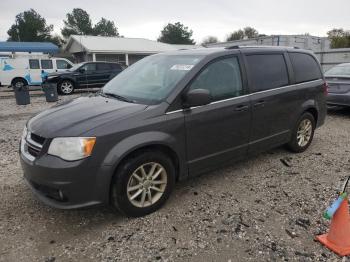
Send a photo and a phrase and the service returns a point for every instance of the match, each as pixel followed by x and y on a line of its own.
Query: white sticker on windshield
pixel 181 67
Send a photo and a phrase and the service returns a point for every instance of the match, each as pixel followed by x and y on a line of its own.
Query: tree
pixel 30 26
pixel 105 28
pixel 176 34
pixel 250 32
pixel 339 38
pixel 210 40
pixel 245 33
pixel 78 23
pixel 236 35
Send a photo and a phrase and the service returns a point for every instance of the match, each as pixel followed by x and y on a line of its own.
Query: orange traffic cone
pixel 338 237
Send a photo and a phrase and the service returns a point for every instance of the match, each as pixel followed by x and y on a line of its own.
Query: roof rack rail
pixel 259 46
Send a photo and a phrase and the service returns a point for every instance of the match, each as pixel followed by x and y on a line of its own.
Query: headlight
pixel 72 148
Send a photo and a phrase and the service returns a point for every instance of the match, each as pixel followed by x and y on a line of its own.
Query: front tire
pixel 66 87
pixel 303 133
pixel 143 183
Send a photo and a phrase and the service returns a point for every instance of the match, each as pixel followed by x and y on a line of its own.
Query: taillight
pixel 325 88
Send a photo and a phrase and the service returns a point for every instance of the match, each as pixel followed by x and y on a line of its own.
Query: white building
pixel 116 49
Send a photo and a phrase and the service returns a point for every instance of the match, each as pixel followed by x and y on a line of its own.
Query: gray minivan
pixel 168 117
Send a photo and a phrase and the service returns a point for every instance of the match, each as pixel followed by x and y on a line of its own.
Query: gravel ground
pixel 259 209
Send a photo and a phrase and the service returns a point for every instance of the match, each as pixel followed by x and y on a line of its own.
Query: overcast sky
pixel 146 18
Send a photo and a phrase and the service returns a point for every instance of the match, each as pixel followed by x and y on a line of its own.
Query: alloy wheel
pixel 66 87
pixel 304 132
pixel 147 184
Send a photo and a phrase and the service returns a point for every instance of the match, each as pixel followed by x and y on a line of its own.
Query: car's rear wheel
pixel 303 133
pixel 66 87
pixel 143 183
pixel 19 83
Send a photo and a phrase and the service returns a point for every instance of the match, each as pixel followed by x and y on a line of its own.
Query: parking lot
pixel 266 207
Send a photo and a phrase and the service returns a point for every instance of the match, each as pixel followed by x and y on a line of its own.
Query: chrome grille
pixel 32 145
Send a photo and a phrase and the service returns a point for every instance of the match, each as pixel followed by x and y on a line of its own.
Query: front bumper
pixel 338 99
pixel 66 185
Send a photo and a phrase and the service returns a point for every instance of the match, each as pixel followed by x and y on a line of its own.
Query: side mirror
pixel 197 97
pixel 81 70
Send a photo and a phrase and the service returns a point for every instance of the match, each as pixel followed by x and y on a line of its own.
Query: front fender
pixel 137 141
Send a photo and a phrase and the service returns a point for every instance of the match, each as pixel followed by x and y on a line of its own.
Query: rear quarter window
pixel 305 67
pixel 267 71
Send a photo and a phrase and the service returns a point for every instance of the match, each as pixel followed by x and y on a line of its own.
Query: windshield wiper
pixel 119 97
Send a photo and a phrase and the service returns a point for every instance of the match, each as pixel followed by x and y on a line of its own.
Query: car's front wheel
pixel 66 87
pixel 303 133
pixel 143 183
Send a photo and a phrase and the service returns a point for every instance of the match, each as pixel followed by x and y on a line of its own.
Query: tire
pixel 125 184
pixel 300 144
pixel 19 83
pixel 65 87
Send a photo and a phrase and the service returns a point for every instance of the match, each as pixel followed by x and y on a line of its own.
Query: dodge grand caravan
pixel 168 117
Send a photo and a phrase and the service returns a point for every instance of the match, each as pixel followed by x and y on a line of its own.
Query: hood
pixel 77 116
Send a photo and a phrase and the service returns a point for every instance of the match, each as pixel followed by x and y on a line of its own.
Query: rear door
pixel 46 67
pixel 272 101
pixel 218 132
pixel 87 75
pixel 34 76
pixel 104 71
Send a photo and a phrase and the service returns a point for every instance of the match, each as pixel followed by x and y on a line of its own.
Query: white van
pixel 21 69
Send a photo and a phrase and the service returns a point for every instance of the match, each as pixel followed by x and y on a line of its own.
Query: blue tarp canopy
pixel 43 47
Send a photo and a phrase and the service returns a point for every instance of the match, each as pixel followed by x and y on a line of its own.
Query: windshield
pixel 150 80
pixel 75 67
pixel 341 70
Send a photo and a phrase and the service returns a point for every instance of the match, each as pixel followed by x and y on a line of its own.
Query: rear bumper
pixel 338 99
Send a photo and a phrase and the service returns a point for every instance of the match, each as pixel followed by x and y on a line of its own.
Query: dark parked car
pixel 338 79
pixel 168 117
pixel 88 74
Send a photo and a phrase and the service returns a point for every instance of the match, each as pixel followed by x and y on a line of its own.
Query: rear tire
pixel 143 183
pixel 302 133
pixel 19 83
pixel 65 87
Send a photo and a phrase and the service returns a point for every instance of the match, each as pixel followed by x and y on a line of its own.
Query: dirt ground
pixel 259 209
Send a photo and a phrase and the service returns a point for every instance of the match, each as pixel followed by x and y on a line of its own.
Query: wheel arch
pixel 123 151
pixel 19 78
pixel 69 79
pixel 311 107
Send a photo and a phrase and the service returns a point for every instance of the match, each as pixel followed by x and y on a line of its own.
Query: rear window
pixel 103 67
pixel 305 67
pixel 46 64
pixel 267 71
pixel 340 70
pixel 34 64
pixel 116 67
